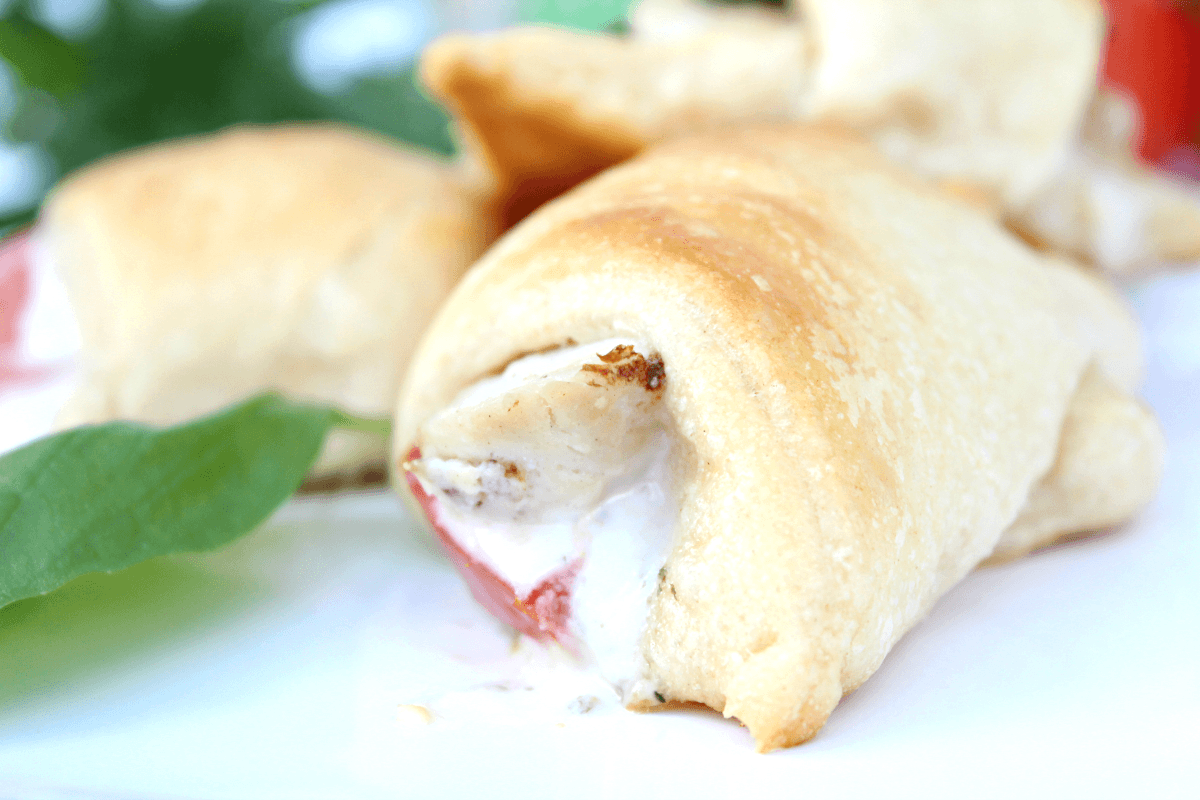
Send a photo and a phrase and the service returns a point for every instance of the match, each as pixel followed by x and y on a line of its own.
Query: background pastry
pixel 989 98
pixel 300 259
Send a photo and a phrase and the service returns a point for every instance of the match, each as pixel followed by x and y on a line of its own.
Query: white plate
pixel 281 667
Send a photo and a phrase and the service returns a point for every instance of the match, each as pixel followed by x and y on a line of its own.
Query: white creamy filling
pixel 622 539
pixel 521 553
pixel 632 530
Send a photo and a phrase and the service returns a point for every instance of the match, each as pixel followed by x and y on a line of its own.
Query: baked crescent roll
pixel 987 97
pixel 728 420
pixel 305 259
pixel 987 92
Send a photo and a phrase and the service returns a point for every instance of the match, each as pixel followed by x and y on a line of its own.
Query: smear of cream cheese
pixel 629 536
pixel 521 553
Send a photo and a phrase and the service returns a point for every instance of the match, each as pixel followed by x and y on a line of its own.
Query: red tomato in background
pixel 1153 55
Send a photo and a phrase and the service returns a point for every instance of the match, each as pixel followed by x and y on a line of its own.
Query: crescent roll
pixel 727 420
pixel 303 259
pixel 988 97
pixel 988 93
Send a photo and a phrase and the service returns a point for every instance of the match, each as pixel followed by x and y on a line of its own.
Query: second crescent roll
pixel 989 97
pixel 304 259
pixel 729 419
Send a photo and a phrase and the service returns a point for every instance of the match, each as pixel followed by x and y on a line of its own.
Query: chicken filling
pixel 553 487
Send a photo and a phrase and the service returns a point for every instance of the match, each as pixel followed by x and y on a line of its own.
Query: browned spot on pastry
pixel 763 641
pixel 973 194
pixel 1029 237
pixel 662 581
pixel 914 112
pixel 623 364
pixel 326 484
pixel 618 354
pixel 511 470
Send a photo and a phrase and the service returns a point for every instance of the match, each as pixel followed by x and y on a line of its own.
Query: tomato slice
pixel 543 613
pixel 1153 55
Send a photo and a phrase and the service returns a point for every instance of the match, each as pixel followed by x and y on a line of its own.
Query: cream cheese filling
pixel 529 495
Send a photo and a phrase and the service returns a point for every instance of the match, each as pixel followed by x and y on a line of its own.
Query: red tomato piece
pixel 1153 55
pixel 542 614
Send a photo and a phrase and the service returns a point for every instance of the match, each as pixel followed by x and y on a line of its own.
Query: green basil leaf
pixel 105 497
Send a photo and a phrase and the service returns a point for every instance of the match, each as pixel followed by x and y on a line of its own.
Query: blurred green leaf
pixel 155 73
pixel 35 117
pixel 592 15
pixel 395 105
pixel 598 15
pixel 41 59
pixel 161 73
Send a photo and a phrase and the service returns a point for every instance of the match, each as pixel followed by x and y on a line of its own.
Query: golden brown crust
pixel 533 145
pixel 547 108
pixel 870 378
